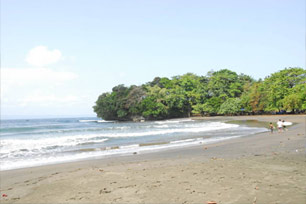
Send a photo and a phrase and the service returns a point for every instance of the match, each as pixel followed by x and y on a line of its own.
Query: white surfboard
pixel 287 123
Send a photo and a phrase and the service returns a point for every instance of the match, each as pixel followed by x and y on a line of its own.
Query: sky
pixel 58 56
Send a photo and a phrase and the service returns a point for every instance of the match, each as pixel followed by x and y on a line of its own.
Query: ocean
pixel 36 142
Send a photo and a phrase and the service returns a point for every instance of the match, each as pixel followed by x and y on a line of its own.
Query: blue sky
pixel 58 56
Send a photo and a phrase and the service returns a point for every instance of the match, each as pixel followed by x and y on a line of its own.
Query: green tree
pixel 153 106
pixel 188 85
pixel 153 109
pixel 230 107
pixel 212 106
pixel 225 84
pixel 177 102
pixel 297 99
pixel 133 100
pixel 105 107
pixel 280 84
pixel 221 92
pixel 256 97
pixel 292 102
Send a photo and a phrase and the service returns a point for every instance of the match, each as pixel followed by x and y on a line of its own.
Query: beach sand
pixel 262 168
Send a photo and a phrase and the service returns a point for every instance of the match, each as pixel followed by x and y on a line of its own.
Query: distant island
pixel 222 92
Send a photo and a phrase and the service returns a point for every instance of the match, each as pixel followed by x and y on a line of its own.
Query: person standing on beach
pixel 280 125
pixel 284 126
pixel 271 126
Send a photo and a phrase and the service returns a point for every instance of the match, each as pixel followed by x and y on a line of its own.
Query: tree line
pixel 221 92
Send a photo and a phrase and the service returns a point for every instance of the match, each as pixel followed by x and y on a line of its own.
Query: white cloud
pixel 122 74
pixel 15 78
pixel 35 90
pixel 35 75
pixel 48 99
pixel 39 90
pixel 41 56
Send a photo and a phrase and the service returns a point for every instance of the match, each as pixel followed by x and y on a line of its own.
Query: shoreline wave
pixel 125 150
pixel 111 139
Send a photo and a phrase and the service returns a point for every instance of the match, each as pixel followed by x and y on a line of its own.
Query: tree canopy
pixel 222 92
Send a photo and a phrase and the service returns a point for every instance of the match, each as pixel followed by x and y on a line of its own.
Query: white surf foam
pixel 14 152
pixel 9 145
pixel 122 150
pixel 42 144
pixel 174 121
pixel 185 129
pixel 97 121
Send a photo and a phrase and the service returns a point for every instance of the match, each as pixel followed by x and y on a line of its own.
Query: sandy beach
pixel 262 168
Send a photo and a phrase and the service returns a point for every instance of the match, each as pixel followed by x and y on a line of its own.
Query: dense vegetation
pixel 222 92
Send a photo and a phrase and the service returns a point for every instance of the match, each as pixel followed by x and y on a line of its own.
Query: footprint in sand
pixel 116 199
pixel 129 186
pixel 104 190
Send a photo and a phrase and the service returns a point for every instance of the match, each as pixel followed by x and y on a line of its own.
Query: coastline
pixel 262 168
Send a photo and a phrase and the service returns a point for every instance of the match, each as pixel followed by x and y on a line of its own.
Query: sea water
pixel 35 142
